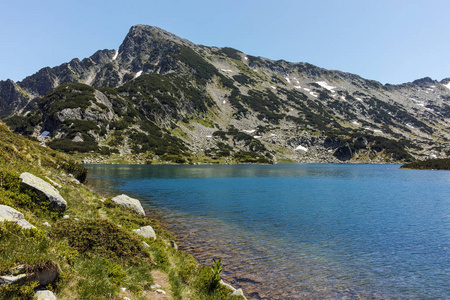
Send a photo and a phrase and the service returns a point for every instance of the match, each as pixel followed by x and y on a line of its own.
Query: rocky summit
pixel 163 98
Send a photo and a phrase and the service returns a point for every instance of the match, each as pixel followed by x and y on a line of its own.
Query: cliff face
pixel 223 105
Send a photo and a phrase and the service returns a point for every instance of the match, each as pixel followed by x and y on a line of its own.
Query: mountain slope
pixel 164 98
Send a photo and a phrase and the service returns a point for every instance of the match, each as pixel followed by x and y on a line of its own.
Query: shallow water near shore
pixel 304 231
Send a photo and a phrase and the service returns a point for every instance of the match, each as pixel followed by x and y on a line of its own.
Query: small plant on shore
pixel 216 269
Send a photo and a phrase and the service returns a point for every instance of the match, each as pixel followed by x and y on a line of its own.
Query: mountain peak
pixel 141 32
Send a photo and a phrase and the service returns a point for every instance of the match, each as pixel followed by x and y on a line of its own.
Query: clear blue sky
pixel 388 41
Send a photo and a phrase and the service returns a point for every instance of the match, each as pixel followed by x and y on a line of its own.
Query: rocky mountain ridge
pixel 162 97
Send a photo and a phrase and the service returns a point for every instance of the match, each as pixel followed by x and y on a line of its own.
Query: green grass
pixel 95 248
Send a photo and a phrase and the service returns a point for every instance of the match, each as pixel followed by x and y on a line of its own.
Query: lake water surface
pixel 304 231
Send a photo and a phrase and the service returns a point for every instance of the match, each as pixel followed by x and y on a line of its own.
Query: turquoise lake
pixel 303 231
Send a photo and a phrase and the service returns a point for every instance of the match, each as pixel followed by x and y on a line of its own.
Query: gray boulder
pixel 44 190
pixel 130 203
pixel 146 231
pixel 44 274
pixel 44 295
pixel 9 214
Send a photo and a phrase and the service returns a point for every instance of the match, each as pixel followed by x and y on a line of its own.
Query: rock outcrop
pixel 44 190
pixel 130 203
pixel 9 214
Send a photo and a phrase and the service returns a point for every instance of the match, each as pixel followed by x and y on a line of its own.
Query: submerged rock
pixel 146 231
pixel 9 214
pixel 130 203
pixel 44 190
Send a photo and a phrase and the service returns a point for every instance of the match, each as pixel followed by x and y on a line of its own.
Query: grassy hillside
pixel 92 242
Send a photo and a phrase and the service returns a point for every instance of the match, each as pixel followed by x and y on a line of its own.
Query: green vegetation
pixel 203 69
pixel 255 151
pixel 429 164
pixel 68 95
pixel 95 249
pixel 231 53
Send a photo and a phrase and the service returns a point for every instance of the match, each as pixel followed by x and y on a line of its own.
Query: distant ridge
pixel 159 97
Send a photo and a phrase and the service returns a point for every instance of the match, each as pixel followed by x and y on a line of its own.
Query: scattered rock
pixel 130 203
pixel 235 292
pixel 155 286
pixel 44 190
pixel 228 286
pixel 9 214
pixel 10 279
pixel 159 291
pixel 66 217
pixel 73 179
pixel 146 245
pixel 44 295
pixel 47 224
pixel 44 274
pixel 238 292
pixel 173 245
pixel 54 183
pixel 146 231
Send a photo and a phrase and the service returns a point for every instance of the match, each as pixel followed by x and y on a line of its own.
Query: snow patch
pixel 297 87
pixel 115 55
pixel 356 123
pixel 313 94
pixel 246 58
pixel 257 136
pixel 209 136
pixel 326 85
pixel 447 85
pixel 300 147
pixel 45 133
pixel 306 89
pixel 224 101
pixel 359 99
pixel 138 74
pixel 288 80
pixel 226 70
pixel 273 134
pixel 343 98
pixel 249 131
pixel 274 88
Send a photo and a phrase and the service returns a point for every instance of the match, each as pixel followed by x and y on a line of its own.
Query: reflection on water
pixel 304 231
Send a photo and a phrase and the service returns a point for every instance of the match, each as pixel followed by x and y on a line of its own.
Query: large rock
pixel 8 213
pixel 130 203
pixel 44 190
pixel 146 231
pixel 44 295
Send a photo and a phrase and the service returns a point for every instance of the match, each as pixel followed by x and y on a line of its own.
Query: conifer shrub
pixel 101 237
pixel 429 164
pixel 76 169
